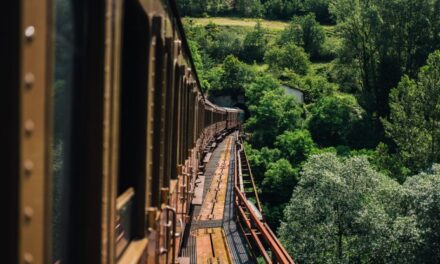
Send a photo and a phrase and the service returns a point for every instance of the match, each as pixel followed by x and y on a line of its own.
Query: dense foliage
pixel 382 40
pixel 272 9
pixel 336 120
pixel 306 32
pixel 349 175
pixel 273 114
pixel 342 211
pixel 414 124
pixel 289 57
pixel 255 44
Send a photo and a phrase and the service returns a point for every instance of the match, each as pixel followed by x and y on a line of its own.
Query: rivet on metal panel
pixel 28 167
pixel 179 46
pixel 29 33
pixel 151 217
pixel 29 127
pixel 28 258
pixel 29 80
pixel 28 213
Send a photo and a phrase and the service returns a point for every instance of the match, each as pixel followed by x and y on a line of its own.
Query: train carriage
pixel 105 127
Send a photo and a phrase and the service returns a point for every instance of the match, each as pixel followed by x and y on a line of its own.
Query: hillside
pixel 360 156
pixel 239 21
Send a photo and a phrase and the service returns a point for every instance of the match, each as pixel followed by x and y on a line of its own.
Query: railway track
pixel 213 235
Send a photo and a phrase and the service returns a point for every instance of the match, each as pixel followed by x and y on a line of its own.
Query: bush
pixel 336 120
pixel 289 57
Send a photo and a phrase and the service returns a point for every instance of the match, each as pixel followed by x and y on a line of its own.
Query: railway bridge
pixel 110 151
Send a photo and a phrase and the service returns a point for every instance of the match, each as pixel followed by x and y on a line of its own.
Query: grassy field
pixel 241 22
pixel 241 26
pixel 249 23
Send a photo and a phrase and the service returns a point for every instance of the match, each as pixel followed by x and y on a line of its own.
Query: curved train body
pixel 104 130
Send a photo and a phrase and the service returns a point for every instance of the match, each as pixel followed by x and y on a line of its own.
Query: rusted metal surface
pixel 244 170
pixel 177 121
pixel 255 224
pixel 212 246
pixel 132 255
pixel 112 77
pixel 35 185
pixel 198 192
pixel 201 246
pixel 214 202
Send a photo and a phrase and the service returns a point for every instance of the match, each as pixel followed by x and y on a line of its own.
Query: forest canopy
pixel 349 174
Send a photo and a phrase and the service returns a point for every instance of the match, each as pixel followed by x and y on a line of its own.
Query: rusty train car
pixel 104 126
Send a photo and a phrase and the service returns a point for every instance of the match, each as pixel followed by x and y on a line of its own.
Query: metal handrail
pixel 251 176
pixel 269 237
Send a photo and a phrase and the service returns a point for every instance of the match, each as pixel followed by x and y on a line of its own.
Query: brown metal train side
pixel 137 127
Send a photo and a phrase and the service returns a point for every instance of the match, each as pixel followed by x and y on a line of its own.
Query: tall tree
pixel 255 44
pixel 282 9
pixel 296 145
pixel 261 84
pixel 274 114
pixel 423 198
pixel 384 40
pixel 414 122
pixel 233 78
pixel 320 8
pixel 337 120
pixel 249 8
pixel 342 211
pixel 305 32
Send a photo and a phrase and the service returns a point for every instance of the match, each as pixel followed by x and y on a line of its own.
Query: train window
pixel 176 130
pixel 61 98
pixel 133 127
pixel 157 180
pixel 169 107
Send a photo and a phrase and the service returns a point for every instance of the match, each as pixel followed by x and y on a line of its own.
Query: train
pixel 104 130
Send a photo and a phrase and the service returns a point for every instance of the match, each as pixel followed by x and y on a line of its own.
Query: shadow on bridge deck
pixel 201 241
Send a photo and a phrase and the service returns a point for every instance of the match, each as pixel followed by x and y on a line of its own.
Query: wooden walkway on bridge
pixel 214 236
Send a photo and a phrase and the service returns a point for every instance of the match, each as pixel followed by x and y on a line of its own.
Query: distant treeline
pixel 271 9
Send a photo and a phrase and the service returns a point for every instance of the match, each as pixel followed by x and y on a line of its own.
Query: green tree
pixel 282 9
pixel 337 120
pixel 289 56
pixel 223 43
pixel 296 145
pixel 193 7
pixel 261 84
pixel 389 163
pixel 255 44
pixel 274 114
pixel 316 87
pixel 320 8
pixel 342 211
pixel 198 62
pixel 260 160
pixel 384 40
pixel 305 32
pixel 233 79
pixel 249 8
pixel 423 198
pixel 414 122
pixel 278 183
